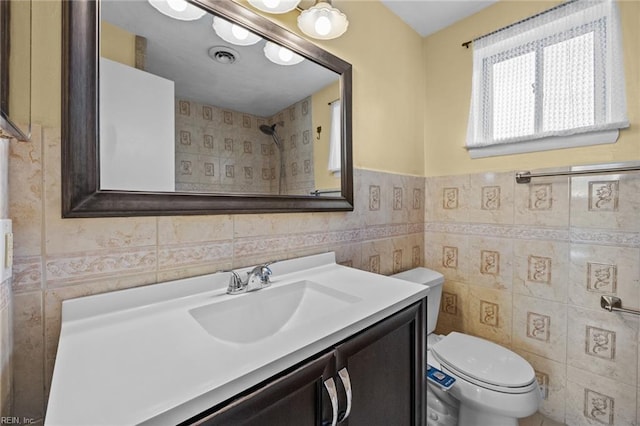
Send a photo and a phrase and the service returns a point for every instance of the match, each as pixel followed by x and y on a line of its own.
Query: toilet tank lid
pixel 421 276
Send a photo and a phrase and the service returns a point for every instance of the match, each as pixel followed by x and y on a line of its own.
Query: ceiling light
pixel 178 5
pixel 274 6
pixel 281 55
pixel 233 33
pixel 177 9
pixel 322 21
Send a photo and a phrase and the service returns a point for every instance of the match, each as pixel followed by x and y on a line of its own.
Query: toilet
pixel 494 386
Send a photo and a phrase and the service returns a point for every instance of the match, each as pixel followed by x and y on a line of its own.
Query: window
pixel 552 81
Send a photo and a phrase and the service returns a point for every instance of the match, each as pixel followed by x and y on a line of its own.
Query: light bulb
pixel 281 55
pixel 239 32
pixel 323 25
pixel 272 4
pixel 177 5
pixel 285 54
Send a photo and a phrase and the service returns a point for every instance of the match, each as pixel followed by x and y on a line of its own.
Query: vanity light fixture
pixel 177 9
pixel 323 21
pixel 281 55
pixel 234 34
pixel 275 6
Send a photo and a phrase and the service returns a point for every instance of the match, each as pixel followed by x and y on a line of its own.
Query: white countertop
pixel 138 356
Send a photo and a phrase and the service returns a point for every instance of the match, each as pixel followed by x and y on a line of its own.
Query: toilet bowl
pixel 494 386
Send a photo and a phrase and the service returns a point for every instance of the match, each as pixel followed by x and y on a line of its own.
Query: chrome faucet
pixel 257 279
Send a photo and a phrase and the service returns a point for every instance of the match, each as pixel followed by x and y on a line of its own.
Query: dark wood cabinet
pixel 386 368
pixel 377 376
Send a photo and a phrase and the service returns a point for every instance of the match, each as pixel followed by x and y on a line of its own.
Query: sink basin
pixel 257 315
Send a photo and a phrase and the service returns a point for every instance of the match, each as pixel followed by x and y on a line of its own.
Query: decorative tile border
pixel 179 255
pixel 68 269
pixel 414 228
pixel 5 294
pixel 596 236
pixel 252 246
pixel 27 273
pixel 574 235
pixel 498 231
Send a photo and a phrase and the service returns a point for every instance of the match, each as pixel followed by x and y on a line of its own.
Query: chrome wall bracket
pixel 613 303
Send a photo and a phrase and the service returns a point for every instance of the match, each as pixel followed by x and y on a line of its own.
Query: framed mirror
pixel 231 128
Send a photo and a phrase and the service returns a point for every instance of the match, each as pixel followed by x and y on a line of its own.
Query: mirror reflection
pixel 15 68
pixel 190 102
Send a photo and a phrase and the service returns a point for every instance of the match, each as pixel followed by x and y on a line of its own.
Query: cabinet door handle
pixel 330 385
pixel 346 382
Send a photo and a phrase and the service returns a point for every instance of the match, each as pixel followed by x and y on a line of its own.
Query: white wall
pixel 137 128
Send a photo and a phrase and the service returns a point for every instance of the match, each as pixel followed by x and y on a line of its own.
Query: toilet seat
pixel 484 363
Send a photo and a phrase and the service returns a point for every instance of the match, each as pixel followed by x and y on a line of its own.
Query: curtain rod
pixel 335 100
pixel 468 43
pixel 525 177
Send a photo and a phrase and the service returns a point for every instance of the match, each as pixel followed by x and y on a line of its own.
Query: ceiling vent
pixel 223 54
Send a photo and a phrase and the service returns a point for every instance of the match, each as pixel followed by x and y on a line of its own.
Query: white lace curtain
pixel 555 74
pixel 335 139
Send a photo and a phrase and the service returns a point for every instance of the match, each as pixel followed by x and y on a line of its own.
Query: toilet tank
pixel 434 280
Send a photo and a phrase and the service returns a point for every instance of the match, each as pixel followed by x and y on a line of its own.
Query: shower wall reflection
pixel 221 150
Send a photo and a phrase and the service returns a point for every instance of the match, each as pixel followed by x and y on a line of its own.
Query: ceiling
pixel 429 16
pixel 177 50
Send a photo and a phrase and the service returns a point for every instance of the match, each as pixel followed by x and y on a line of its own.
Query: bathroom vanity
pixel 323 342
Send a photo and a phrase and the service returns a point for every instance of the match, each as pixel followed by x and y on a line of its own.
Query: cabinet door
pixel 292 399
pixel 386 369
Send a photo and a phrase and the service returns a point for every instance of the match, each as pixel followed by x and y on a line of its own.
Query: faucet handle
pixel 259 277
pixel 236 285
pixel 262 272
pixel 265 273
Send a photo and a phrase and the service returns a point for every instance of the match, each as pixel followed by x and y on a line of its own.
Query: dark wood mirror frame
pixel 81 194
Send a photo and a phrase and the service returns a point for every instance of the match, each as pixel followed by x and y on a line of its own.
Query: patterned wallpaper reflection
pixel 220 150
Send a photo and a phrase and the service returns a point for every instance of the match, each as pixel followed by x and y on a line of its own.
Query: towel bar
pixel 612 303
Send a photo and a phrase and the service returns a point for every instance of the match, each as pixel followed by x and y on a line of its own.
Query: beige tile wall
pixel 58 259
pixel 525 266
